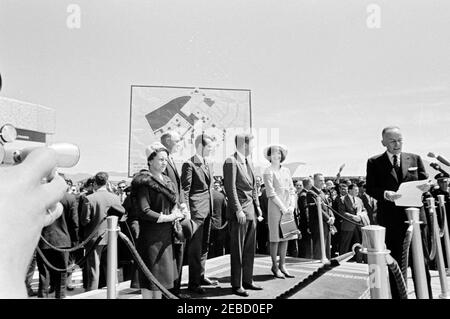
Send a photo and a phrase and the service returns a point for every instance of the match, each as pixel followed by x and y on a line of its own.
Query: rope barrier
pixel 223 226
pixel 79 246
pixel 441 221
pixel 306 281
pixel 399 279
pixel 405 252
pixel 131 234
pixel 343 217
pixel 144 268
pixel 337 213
pixel 334 262
pixel 72 267
pixel 433 239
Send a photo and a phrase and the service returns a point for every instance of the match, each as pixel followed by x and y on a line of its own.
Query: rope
pixel 337 213
pixel 72 267
pixel 433 239
pixel 405 251
pixel 399 279
pixel 334 262
pixel 144 268
pixel 223 226
pixel 131 234
pixel 344 217
pixel 305 282
pixel 79 246
pixel 441 221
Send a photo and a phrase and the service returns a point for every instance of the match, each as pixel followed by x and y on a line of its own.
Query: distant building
pixel 34 123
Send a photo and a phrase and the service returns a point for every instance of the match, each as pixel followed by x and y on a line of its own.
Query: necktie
pixel 247 166
pixel 397 166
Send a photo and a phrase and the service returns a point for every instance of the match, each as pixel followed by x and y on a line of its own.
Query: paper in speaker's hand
pixel 411 193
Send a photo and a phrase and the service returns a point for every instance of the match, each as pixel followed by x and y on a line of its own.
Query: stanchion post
pixel 443 210
pixel 439 254
pixel 111 276
pixel 321 231
pixel 417 254
pixel 375 248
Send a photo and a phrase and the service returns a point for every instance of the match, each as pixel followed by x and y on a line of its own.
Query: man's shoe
pixel 251 286
pixel 240 292
pixel 209 282
pixel 197 289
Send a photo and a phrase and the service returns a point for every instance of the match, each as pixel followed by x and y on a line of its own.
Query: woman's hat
pixel 282 148
pixel 153 148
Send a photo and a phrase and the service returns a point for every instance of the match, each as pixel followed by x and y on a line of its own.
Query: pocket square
pixel 412 169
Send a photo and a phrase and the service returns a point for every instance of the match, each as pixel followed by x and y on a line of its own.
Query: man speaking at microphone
pixel 385 173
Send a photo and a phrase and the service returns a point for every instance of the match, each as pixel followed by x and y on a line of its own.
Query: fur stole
pixel 147 180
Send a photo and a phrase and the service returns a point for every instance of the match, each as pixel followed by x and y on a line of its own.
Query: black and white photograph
pixel 224 154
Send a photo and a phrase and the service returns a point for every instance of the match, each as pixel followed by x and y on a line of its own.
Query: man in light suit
pixel 197 181
pixel 243 206
pixel 353 209
pixel 385 173
pixel 95 209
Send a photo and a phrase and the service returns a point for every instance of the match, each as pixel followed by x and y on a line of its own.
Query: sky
pixel 316 70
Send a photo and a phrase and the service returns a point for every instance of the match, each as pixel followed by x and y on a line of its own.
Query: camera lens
pixel 8 133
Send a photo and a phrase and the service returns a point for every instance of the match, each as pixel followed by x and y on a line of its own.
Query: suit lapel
pixel 348 203
pixel 174 170
pixel 199 163
pixel 405 163
pixel 390 166
pixel 250 171
pixel 242 167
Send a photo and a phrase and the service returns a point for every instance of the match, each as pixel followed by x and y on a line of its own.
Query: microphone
pixel 439 158
pixel 67 155
pixel 438 168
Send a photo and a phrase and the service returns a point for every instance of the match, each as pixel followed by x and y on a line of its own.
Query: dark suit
pixel 338 205
pixel 262 229
pixel 240 187
pixel 61 233
pixel 305 247
pixel 196 180
pixel 314 222
pixel 350 233
pixel 132 225
pixel 381 177
pixel 79 254
pixel 178 245
pixel 218 219
pixel 370 204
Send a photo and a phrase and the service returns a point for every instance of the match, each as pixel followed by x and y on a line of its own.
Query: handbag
pixel 288 226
